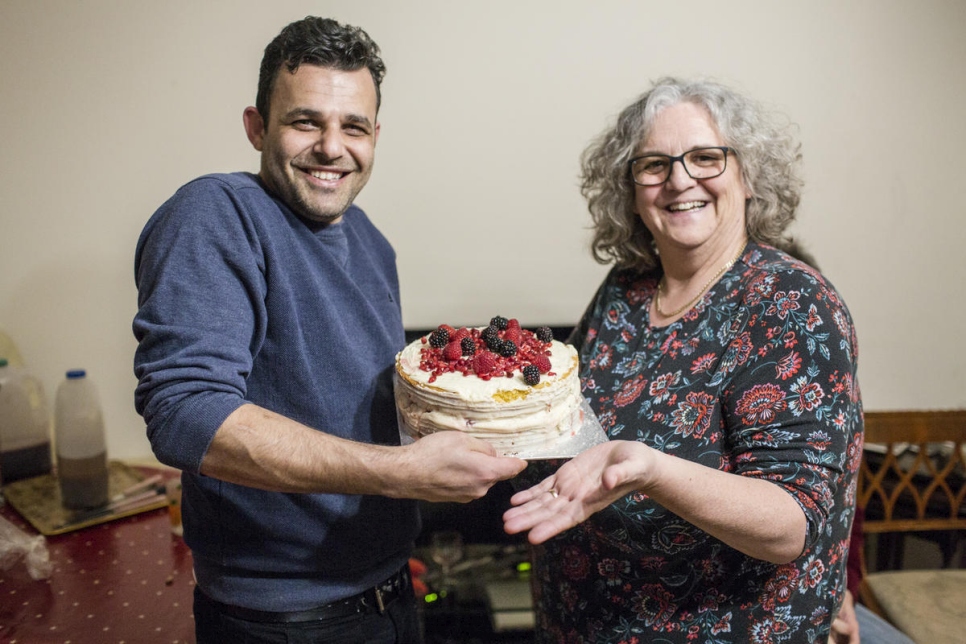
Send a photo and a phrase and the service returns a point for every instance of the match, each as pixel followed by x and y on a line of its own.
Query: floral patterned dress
pixel 758 379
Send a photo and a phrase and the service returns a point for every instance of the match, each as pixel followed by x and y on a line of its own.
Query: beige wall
pixel 108 106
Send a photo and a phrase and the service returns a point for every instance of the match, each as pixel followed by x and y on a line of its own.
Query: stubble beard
pixel 315 204
pixel 304 205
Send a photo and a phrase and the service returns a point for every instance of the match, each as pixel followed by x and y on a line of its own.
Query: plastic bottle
pixel 24 425
pixel 9 350
pixel 81 445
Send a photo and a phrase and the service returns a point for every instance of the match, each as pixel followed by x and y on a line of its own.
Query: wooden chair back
pixel 919 482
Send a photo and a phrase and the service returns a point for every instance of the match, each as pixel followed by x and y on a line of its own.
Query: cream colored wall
pixel 108 106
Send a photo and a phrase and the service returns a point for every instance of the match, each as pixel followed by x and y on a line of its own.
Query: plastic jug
pixel 9 350
pixel 24 425
pixel 80 443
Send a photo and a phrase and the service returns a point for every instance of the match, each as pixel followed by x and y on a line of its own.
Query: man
pixel 268 323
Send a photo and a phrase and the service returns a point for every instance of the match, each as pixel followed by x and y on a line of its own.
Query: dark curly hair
pixel 318 41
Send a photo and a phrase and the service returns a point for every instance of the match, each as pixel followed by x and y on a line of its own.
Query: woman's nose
pixel 678 177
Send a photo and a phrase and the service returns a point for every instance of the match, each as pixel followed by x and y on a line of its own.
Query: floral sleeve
pixel 791 402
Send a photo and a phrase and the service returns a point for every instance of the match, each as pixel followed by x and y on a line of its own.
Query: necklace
pixel 707 285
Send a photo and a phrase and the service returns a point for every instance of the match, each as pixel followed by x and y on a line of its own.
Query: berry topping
pixel 531 375
pixel 486 353
pixel 499 322
pixel 452 351
pixel 484 363
pixel 439 338
pixel 493 343
pixel 508 348
pixel 542 363
pixel 544 334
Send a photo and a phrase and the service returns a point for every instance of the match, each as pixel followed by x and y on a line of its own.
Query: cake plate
pixel 586 433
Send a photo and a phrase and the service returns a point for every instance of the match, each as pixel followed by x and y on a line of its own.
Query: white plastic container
pixel 9 350
pixel 24 425
pixel 80 443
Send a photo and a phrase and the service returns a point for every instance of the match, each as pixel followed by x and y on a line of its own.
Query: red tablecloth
pixel 128 581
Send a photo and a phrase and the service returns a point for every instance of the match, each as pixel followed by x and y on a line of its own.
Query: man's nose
pixel 330 144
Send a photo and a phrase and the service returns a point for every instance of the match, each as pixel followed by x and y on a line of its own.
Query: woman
pixel 723 370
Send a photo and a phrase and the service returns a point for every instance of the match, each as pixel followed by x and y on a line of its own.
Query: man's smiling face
pixel 319 142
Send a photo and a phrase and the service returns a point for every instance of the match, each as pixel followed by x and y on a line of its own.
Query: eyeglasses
pixel 699 163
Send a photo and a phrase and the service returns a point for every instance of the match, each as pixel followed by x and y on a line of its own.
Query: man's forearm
pixel 260 448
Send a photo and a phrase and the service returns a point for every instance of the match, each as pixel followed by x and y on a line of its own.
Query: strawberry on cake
pixel 515 388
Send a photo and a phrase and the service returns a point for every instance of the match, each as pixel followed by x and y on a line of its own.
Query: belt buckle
pixel 384 591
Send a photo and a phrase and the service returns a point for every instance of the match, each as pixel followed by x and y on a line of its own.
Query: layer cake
pixel 514 388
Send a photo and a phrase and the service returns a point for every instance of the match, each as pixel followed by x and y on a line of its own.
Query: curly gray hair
pixel 768 154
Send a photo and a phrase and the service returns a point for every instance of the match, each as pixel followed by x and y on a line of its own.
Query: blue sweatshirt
pixel 243 301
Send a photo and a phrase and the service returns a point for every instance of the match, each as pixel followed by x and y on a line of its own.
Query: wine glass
pixel 446 548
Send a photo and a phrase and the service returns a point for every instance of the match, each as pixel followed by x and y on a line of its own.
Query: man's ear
pixel 254 127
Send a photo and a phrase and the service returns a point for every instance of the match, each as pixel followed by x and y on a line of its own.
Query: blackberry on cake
pixel 544 333
pixel 531 375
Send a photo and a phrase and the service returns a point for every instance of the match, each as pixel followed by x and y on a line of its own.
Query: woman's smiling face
pixel 688 213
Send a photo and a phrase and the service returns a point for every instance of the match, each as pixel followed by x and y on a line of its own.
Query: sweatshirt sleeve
pixel 200 319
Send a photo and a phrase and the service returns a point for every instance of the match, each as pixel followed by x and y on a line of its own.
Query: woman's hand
pixel 845 628
pixel 755 516
pixel 586 484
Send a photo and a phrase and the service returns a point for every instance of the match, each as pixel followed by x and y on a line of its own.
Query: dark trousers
pixel 398 624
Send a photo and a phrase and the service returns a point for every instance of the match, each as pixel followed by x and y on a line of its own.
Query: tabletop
pixel 129 581
pixel 124 582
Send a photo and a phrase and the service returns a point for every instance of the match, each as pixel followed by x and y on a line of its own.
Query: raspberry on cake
pixel 509 386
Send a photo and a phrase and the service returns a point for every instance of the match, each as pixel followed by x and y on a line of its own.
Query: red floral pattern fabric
pixel 758 379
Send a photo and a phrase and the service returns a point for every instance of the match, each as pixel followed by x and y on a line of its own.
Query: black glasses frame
pixel 671 160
